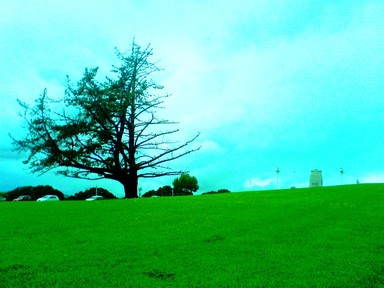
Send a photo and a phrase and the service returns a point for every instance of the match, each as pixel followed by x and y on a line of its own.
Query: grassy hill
pixel 315 237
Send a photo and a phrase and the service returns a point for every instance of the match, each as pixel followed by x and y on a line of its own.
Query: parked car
pixel 93 198
pixel 48 198
pixel 23 198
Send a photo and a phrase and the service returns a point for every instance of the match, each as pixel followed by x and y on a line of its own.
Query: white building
pixel 316 178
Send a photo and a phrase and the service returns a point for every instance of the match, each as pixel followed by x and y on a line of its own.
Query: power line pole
pixel 277 177
pixel 341 176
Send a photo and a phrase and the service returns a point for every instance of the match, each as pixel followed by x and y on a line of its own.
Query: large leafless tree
pixel 105 129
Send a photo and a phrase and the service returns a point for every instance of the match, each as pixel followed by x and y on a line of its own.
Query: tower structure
pixel 316 178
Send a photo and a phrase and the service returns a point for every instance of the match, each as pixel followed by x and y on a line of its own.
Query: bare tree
pixel 105 129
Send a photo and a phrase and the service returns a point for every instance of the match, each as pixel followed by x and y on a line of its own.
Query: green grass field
pixel 324 237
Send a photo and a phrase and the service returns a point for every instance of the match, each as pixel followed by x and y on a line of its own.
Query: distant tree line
pixel 182 186
pixel 162 191
pixel 41 190
pixel 216 192
pixel 82 195
pixel 33 191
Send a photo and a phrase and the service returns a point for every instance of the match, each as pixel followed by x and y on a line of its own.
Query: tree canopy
pixel 105 129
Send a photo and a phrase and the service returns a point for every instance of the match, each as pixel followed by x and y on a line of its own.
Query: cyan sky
pixel 291 84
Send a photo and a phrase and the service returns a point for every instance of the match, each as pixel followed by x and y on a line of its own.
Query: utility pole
pixel 277 177
pixel 341 176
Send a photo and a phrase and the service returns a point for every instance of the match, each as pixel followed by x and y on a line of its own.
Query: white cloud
pixel 373 178
pixel 257 182
pixel 210 146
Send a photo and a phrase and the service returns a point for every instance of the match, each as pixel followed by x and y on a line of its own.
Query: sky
pixel 294 85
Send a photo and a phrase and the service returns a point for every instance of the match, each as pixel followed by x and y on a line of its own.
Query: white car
pixel 93 198
pixel 48 198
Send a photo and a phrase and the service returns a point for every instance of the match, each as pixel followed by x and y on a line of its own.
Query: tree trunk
pixel 130 184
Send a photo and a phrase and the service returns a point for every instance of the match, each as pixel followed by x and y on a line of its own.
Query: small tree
pixel 105 129
pixel 185 185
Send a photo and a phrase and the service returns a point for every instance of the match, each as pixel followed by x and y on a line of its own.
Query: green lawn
pixel 324 237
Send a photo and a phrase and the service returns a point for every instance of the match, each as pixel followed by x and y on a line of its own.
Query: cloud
pixel 210 146
pixel 9 154
pixel 279 85
pixel 373 178
pixel 257 182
